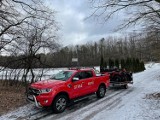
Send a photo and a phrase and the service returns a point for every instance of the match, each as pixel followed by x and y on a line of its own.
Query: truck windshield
pixel 63 75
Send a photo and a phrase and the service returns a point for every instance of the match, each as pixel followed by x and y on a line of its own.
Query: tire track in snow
pixel 25 112
pixel 107 106
pixel 108 102
pixel 81 104
pixel 42 115
pixel 35 115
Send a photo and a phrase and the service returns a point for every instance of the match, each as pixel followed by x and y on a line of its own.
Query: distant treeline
pixel 132 50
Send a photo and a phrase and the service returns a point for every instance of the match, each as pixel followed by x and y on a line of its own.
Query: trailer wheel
pixel 125 86
pixel 117 78
pixel 60 103
pixel 101 91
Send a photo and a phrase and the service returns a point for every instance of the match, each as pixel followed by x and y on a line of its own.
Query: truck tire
pixel 101 91
pixel 125 86
pixel 60 103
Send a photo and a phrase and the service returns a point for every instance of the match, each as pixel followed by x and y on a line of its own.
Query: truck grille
pixel 33 91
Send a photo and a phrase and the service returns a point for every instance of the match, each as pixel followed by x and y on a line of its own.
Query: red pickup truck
pixel 65 86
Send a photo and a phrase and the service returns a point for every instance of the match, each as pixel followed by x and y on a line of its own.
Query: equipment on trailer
pixel 118 77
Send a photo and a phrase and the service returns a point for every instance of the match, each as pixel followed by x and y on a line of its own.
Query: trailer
pixel 118 77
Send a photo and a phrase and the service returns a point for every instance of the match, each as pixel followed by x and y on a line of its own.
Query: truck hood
pixel 46 84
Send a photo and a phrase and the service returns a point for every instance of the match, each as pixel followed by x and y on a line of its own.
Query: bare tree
pixel 28 28
pixel 15 13
pixel 139 11
pixel 37 37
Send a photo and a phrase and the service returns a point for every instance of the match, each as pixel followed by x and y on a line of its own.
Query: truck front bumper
pixel 40 100
pixel 32 99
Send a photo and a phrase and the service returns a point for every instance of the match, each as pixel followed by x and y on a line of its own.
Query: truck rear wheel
pixel 125 86
pixel 60 103
pixel 101 91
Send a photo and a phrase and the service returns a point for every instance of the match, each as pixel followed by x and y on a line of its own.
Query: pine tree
pixel 122 63
pixel 111 63
pixel 142 66
pixel 134 66
pixel 105 64
pixel 127 64
pixel 101 64
pixel 138 66
pixel 116 63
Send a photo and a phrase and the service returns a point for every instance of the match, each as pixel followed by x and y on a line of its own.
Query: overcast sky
pixel 75 29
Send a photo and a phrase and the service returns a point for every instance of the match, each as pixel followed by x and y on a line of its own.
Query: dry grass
pixel 155 96
pixel 11 97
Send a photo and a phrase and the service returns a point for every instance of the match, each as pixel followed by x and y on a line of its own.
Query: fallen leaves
pixel 11 97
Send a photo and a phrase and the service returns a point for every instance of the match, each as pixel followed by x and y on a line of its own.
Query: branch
pixel 12 25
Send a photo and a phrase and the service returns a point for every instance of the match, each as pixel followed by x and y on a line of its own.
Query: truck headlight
pixel 47 90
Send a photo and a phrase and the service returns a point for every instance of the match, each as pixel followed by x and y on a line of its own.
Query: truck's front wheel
pixel 101 91
pixel 60 103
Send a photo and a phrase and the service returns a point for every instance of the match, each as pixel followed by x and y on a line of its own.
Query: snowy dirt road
pixel 118 104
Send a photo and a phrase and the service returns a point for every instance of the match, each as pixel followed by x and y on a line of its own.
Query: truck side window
pixel 78 75
pixel 86 74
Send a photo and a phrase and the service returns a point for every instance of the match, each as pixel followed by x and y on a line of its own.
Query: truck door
pixel 90 81
pixel 85 84
pixel 79 86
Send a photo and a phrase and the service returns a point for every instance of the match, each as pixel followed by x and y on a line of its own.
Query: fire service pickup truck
pixel 65 86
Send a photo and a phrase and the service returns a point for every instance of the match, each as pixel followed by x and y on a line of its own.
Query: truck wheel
pixel 125 86
pixel 101 91
pixel 60 103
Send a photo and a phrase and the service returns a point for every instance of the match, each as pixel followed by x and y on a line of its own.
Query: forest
pixel 144 47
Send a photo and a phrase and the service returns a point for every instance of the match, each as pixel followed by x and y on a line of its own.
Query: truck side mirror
pixel 75 79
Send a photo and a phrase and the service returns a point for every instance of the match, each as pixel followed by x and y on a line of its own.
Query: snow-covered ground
pixel 118 104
